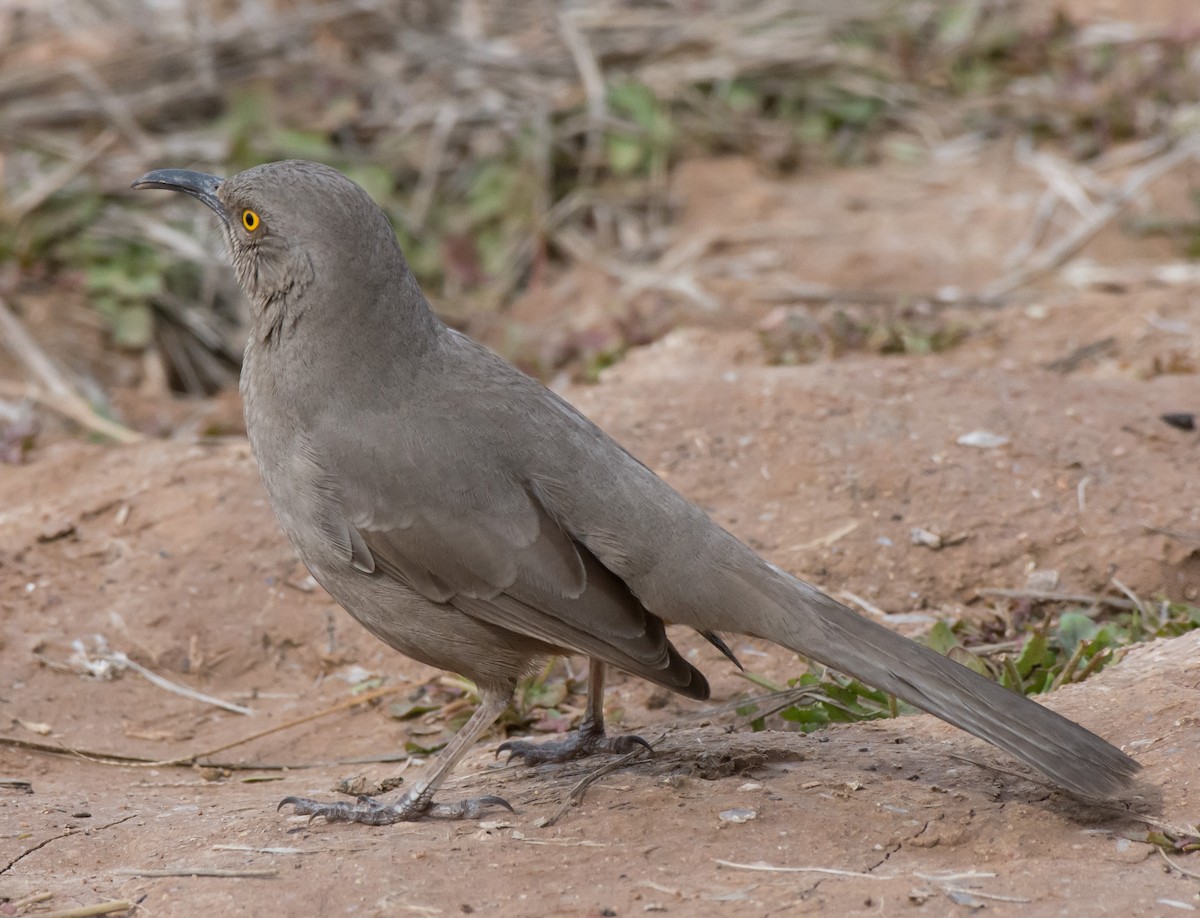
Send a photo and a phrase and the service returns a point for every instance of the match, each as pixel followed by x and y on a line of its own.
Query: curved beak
pixel 200 185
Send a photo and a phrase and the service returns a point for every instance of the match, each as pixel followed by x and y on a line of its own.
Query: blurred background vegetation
pixel 504 138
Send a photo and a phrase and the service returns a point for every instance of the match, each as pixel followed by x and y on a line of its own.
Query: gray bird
pixel 475 521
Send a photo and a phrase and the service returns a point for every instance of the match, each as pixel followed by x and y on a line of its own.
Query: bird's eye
pixel 250 220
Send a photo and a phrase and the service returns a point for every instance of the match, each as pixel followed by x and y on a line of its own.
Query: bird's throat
pixel 277 292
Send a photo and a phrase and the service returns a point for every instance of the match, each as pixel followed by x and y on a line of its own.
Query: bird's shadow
pixel 964 768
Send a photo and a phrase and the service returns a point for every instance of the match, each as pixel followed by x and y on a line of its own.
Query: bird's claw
pixel 368 811
pixel 471 808
pixel 576 746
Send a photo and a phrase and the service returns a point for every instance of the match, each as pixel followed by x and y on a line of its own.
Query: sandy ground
pixel 168 551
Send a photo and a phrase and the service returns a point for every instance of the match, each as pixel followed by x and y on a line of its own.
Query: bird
pixel 474 520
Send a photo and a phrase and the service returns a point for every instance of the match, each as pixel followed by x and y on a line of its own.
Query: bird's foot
pixel 408 808
pixel 578 745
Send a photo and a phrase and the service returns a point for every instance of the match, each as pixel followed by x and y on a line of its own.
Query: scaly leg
pixel 418 803
pixel 588 740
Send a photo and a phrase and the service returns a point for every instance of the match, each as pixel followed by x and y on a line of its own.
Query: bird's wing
pixel 453 521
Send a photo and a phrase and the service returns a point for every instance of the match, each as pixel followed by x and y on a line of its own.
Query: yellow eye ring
pixel 250 220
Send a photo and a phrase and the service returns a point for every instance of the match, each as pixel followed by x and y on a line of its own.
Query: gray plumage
pixel 475 521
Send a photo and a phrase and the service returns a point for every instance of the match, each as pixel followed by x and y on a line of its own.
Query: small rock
pixel 1042 580
pixel 920 895
pixel 738 814
pixel 491 825
pixel 362 786
pixel 53 532
pixel 962 897
pixel 981 439
pixel 1180 420
pixel 924 537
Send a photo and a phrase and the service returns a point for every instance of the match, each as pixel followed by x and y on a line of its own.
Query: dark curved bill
pixel 200 185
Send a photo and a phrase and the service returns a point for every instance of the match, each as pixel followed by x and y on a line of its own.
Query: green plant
pixel 643 145
pixel 1067 649
pixel 122 286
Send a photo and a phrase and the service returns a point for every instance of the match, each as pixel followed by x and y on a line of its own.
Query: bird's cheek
pixel 270 274
pixel 246 267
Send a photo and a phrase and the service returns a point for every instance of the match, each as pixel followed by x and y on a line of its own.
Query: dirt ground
pixel 168 552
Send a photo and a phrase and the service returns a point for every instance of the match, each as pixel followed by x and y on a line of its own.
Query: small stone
pixel 738 814
pixel 926 538
pixel 981 439
pixel 1042 580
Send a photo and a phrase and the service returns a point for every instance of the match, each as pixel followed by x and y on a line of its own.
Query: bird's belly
pixel 433 633
pixel 436 634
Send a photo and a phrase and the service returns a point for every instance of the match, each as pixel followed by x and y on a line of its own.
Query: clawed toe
pixel 627 743
pixel 364 810
pixel 538 753
pixel 371 812
pixel 468 809
pixel 576 746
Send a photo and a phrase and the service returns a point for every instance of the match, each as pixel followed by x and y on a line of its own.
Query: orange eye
pixel 250 220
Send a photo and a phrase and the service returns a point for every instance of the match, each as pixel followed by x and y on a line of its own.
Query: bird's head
pixel 291 224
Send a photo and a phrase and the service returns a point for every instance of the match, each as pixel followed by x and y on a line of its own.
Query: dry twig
pixel 576 794
pixel 1174 866
pixel 1052 596
pixel 825 871
pixel 1055 255
pixel 55 391
pixel 121 661
pixel 86 911
pixel 260 874
pixel 202 758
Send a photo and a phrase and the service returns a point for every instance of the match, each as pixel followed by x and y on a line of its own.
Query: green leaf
pixel 635 101
pixel 856 110
pixel 108 306
pixel 805 714
pixel 1035 653
pixel 958 22
pixel 1074 627
pixel 941 638
pixel 491 191
pixel 407 710
pixel 970 661
pixel 765 683
pixel 814 128
pixel 133 326
pixel 741 97
pixel 1039 681
pixel 1009 677
pixel 413 747
pixel 625 154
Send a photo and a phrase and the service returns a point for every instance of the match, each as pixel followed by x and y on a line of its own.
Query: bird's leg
pixel 589 739
pixel 417 802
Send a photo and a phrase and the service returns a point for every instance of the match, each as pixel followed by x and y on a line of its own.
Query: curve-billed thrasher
pixel 475 521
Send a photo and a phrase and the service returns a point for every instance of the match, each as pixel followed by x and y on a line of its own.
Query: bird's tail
pixel 804 619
